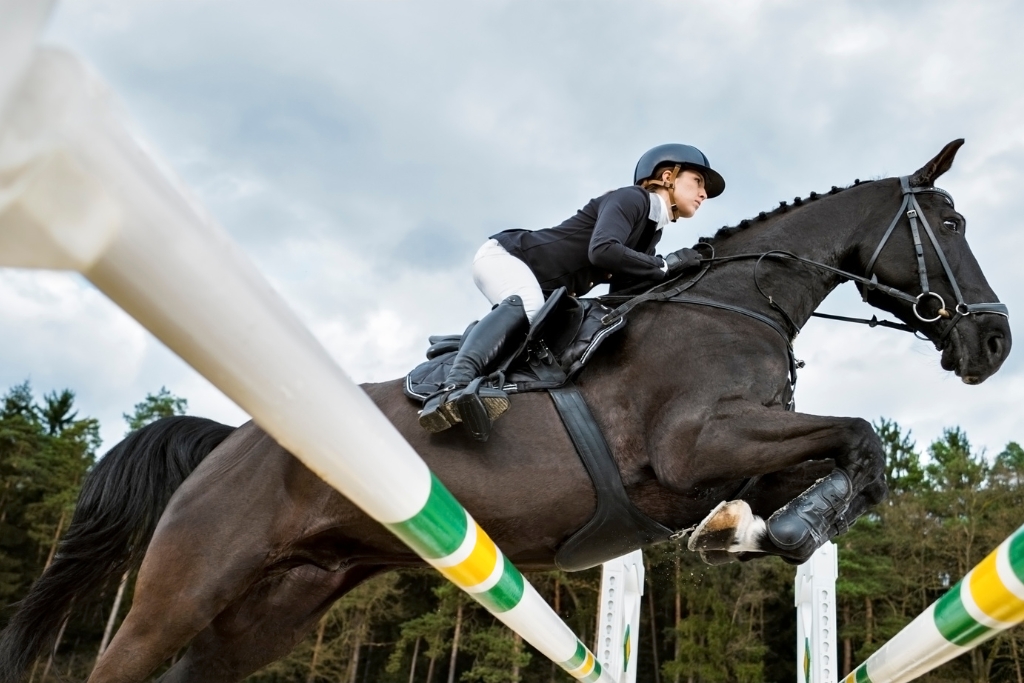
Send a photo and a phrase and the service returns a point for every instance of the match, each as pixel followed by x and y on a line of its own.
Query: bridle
pixel 912 209
pixel 909 208
pixel 917 220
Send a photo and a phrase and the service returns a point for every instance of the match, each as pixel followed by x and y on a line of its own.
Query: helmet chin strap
pixel 668 185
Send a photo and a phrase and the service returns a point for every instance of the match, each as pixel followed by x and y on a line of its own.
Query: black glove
pixel 679 262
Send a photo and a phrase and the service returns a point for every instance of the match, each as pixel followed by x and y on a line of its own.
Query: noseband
pixel 912 209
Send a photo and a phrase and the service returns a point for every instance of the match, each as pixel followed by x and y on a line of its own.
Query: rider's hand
pixel 681 261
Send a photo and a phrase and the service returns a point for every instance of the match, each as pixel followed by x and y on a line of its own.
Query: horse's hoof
pixel 717 557
pixel 731 527
pixel 711 533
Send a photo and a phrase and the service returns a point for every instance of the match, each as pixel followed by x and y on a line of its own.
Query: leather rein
pixel 909 207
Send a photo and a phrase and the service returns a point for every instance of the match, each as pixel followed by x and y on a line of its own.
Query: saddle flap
pixel 441 345
pixel 558 321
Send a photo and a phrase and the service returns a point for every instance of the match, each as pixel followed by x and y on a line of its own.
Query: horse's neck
pixel 825 231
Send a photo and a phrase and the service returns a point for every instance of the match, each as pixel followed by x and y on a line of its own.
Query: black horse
pixel 242 549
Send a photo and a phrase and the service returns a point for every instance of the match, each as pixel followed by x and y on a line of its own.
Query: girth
pixel 617 526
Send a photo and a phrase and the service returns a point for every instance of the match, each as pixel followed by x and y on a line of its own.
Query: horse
pixel 240 549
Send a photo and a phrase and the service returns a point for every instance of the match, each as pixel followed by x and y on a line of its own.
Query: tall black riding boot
pixel 465 400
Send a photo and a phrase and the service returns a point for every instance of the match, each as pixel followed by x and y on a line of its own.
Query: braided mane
pixel 728 231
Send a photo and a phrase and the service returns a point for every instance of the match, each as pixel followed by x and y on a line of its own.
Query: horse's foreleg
pixel 265 624
pixel 760 441
pixel 754 441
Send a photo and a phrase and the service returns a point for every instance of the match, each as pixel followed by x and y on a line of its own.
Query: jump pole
pixel 986 602
pixel 77 192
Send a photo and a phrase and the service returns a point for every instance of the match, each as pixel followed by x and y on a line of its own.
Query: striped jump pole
pixel 77 192
pixel 989 600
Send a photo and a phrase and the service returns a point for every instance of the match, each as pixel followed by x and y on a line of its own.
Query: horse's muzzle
pixel 977 347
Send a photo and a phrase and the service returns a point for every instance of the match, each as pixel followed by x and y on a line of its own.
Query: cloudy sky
pixel 361 151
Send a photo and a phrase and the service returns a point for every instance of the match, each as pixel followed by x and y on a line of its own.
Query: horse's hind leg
pixel 186 580
pixel 265 624
pixel 212 544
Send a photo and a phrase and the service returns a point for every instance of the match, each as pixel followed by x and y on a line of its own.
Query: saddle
pixel 564 336
pixel 565 330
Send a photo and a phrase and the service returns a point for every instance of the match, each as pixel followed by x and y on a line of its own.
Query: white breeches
pixel 499 275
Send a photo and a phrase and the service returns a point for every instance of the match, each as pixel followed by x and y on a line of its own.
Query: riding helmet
pixel 686 156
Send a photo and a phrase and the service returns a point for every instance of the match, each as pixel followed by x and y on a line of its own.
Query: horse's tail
pixel 121 501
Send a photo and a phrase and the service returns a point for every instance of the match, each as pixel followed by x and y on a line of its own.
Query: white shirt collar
pixel 660 212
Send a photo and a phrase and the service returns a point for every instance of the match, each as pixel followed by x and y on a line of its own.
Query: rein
pixel 675 295
pixel 909 207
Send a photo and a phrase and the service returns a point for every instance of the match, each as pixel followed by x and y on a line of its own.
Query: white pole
pixel 21 21
pixel 78 192
pixel 618 630
pixel 815 597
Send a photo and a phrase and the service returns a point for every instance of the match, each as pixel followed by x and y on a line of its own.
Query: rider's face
pixel 688 193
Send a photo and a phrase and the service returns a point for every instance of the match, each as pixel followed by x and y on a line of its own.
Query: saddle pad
pixel 572 339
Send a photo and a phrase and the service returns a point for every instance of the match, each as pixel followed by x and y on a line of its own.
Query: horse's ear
pixel 927 174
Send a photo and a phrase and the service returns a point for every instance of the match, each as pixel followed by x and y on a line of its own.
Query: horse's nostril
pixel 995 345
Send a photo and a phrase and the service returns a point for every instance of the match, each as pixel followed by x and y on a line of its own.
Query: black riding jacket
pixel 611 239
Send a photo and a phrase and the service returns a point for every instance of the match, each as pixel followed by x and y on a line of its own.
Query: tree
pixel 720 634
pixel 45 452
pixel 19 402
pixel 498 655
pixel 903 470
pixel 1008 468
pixel 57 413
pixel 155 406
pixel 427 629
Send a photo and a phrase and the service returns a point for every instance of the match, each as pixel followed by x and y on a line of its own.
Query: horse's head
pixel 922 251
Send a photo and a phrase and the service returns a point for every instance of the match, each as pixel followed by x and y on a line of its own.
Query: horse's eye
pixel 951 225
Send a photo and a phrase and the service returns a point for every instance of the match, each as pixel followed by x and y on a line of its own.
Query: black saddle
pixel 566 329
pixel 564 336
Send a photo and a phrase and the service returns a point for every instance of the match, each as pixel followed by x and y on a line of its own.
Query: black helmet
pixel 685 156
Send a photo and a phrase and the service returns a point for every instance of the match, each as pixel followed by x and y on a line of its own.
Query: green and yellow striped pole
pixel 990 599
pixel 447 537
pixel 85 196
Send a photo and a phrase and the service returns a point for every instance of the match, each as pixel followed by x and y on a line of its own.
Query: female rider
pixel 613 236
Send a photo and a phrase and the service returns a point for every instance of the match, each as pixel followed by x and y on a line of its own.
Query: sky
pixel 360 152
